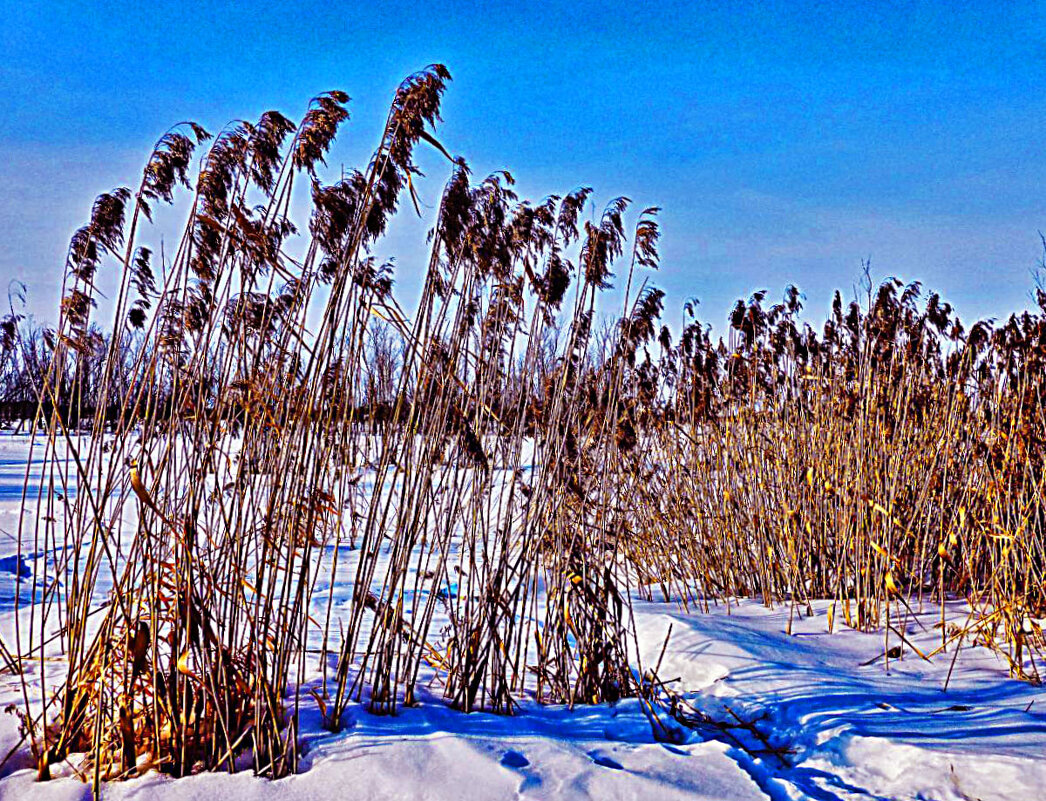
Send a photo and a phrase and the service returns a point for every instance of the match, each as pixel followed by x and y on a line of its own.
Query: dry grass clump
pixel 894 462
pixel 210 467
pixel 205 463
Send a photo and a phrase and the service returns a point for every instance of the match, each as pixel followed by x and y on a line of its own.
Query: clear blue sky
pixel 785 141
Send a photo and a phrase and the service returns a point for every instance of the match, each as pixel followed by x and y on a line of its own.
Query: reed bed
pixel 495 474
pixel 890 464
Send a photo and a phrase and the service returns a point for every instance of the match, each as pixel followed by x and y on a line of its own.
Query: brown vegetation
pixel 530 471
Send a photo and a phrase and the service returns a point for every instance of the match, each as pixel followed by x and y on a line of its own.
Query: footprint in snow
pixel 529 783
pixel 514 759
pixel 604 761
pixel 673 750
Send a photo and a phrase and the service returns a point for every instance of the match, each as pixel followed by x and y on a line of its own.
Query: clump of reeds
pixel 892 462
pixel 201 458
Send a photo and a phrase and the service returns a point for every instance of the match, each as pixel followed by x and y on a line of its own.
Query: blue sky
pixel 786 142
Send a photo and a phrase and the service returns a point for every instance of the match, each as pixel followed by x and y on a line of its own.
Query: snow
pixel 846 724
pixel 855 729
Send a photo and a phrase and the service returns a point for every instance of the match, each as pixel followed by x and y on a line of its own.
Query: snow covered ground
pixel 837 723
